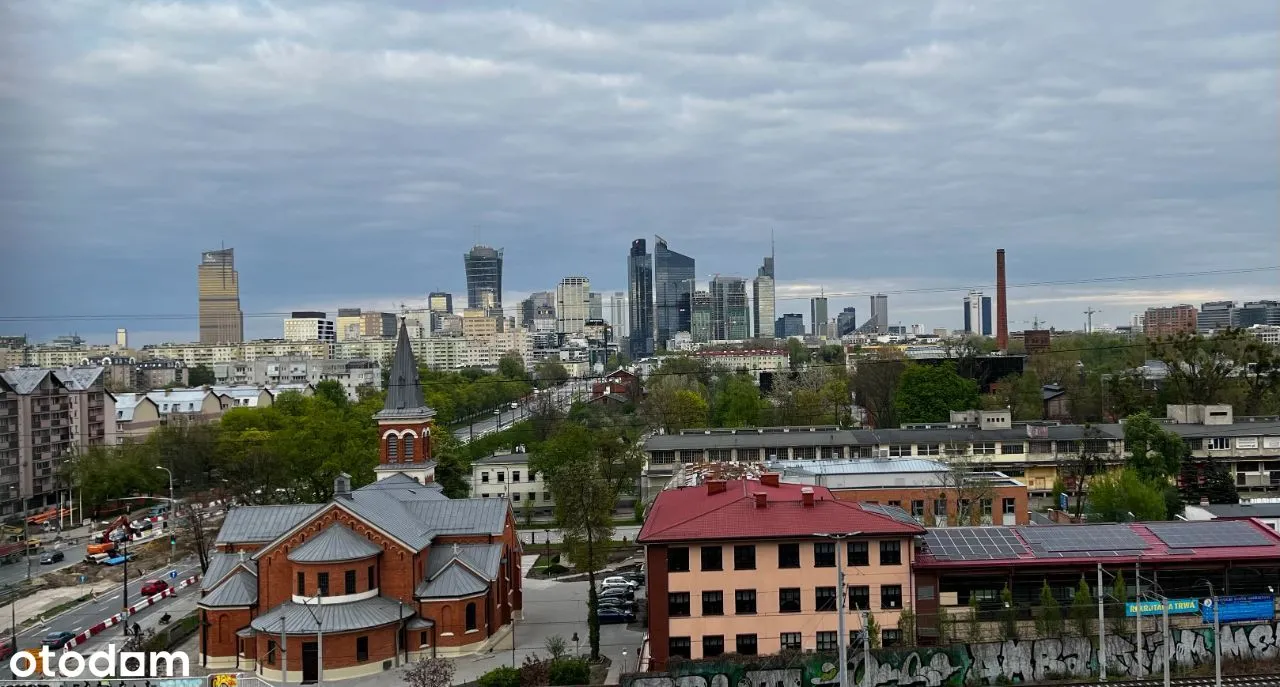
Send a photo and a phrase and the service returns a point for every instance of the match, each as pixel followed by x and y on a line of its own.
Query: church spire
pixel 404 391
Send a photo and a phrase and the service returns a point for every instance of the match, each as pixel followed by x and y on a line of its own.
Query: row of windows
pixel 500 476
pixel 348 582
pixel 824 556
pixel 400 445
pixel 515 496
pixel 1008 506
pixel 749 644
pixel 978 448
pixel 789 600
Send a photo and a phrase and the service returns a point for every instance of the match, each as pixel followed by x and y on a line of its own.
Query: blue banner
pixel 1237 608
pixel 1157 607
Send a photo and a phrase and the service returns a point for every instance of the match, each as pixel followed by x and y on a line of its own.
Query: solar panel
pixel 1083 540
pixel 973 543
pixel 890 511
pixel 1203 535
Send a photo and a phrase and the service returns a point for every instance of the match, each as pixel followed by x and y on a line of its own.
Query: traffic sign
pixel 173 574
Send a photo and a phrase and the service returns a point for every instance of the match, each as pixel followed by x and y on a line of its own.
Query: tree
pixel 429 672
pixel 873 630
pixel 551 373
pixel 453 464
pixel 672 408
pixel 1021 394
pixel 511 366
pixel 1049 615
pixel 737 402
pixel 959 485
pixel 1083 610
pixel 195 527
pixel 585 498
pixel 907 626
pixel 1207 479
pixel 1154 452
pixel 797 353
pixel 1199 368
pixel 200 375
pixel 1008 614
pixel 876 381
pixel 1113 497
pixel 928 393
pixel 1087 464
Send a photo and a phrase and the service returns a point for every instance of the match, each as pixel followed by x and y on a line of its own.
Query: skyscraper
pixel 484 278
pixel 218 284
pixel 673 276
pixel 977 314
pixel 847 321
pixel 439 301
pixel 763 303
pixel 789 325
pixel 529 307
pixel 818 316
pixel 573 305
pixel 880 313
pixel 595 306
pixel 728 308
pixel 700 318
pixel 640 301
pixel 618 314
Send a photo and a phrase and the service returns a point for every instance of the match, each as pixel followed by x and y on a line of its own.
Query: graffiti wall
pixel 986 663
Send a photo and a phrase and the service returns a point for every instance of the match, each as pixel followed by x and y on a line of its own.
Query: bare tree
pixel 195 525
pixel 965 483
pixel 429 672
pixel 1087 462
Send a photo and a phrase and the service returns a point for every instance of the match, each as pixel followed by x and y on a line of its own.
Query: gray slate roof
pixel 336 543
pixel 482 558
pixel 221 565
pixel 452 582
pixel 503 459
pixel 1253 510
pixel 241 589
pixel 24 380
pixel 461 516
pixel 344 617
pixel 262 523
pixel 404 391
pixel 78 378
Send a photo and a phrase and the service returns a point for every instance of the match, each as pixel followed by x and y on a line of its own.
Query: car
pixel 6 650
pixel 617 581
pixel 57 640
pixel 51 557
pixel 616 591
pixel 514 405
pixel 152 587
pixel 608 616
pixel 619 604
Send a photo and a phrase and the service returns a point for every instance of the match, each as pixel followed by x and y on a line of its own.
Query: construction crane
pixel 1088 329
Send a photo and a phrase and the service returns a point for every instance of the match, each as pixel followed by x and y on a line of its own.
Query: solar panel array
pixel 1102 540
pixel 1204 535
pixel 892 512
pixel 973 543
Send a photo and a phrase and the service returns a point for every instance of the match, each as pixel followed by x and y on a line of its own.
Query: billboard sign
pixel 1237 608
pixel 1176 606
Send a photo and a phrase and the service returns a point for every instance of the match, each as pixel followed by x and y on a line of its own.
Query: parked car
pixel 6 650
pixel 617 581
pixel 51 557
pixel 614 615
pixel 57 640
pixel 152 587
pixel 619 604
pixel 617 591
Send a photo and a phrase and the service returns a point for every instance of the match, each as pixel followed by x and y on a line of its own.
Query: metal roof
pixel 749 438
pixel 221 565
pixel 79 378
pixel 241 589
pixel 1242 510
pixel 336 543
pixel 453 582
pixel 404 392
pixel 857 466
pixel 484 559
pixel 461 516
pixel 384 511
pixel 503 459
pixel 406 488
pixel 1236 429
pixel 24 380
pixel 262 523
pixel 344 617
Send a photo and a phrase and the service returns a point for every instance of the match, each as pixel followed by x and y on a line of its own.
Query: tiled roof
pixel 484 559
pixel 344 617
pixel 336 543
pixel 262 523
pixel 691 513
pixel 452 582
pixel 241 589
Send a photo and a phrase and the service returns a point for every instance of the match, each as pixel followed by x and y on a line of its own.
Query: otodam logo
pixel 108 663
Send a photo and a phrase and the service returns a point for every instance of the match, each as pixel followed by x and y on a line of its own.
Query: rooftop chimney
pixel 806 496
pixel 1002 313
pixel 769 479
pixel 715 486
pixel 762 499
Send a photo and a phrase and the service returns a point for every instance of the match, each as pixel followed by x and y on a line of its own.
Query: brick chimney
pixel 762 499
pixel 1002 310
pixel 806 497
pixel 715 486
pixel 769 479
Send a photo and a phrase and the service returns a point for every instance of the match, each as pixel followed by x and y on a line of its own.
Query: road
pixel 501 418
pixel 14 573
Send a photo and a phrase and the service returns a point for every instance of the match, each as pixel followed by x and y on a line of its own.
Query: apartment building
pixel 747 567
pixel 352 373
pixel 507 476
pixel 1159 323
pixel 45 417
pixel 193 354
pixel 752 361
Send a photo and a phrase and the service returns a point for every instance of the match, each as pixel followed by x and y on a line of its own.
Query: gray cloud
pixel 351 151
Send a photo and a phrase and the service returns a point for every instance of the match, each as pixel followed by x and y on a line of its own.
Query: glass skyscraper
pixel 640 300
pixel 673 280
pixel 484 278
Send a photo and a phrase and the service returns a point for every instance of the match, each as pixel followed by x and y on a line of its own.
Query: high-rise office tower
pixel 847 321
pixel 977 314
pixel 573 305
pixel 484 278
pixel 673 281
pixel 762 300
pixel 439 301
pixel 536 302
pixel 1215 315
pixel 1256 312
pixel 640 301
pixel 880 313
pixel 218 283
pixel 618 314
pixel 789 325
pixel 700 317
pixel 595 306
pixel 728 308
pixel 818 316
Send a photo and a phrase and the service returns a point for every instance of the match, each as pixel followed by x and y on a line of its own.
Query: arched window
pixel 224 623
pixel 471 617
pixel 393 449
pixel 408 447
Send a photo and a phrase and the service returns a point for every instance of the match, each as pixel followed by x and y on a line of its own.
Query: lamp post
pixel 624 661
pixel 315 615
pixel 173 511
pixel 842 639
pixel 1217 637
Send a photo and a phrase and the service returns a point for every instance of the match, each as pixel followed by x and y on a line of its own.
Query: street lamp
pixel 842 640
pixel 624 661
pixel 1217 637
pixel 173 511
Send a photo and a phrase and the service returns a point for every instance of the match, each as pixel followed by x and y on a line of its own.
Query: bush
pixel 570 671
pixel 555 569
pixel 506 676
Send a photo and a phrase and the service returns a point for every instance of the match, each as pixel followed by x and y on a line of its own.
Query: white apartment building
pixel 754 361
pixel 352 374
pixel 507 476
pixel 309 326
pixel 192 354
pixel 573 304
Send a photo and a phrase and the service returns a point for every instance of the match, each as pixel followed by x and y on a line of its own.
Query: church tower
pixel 405 421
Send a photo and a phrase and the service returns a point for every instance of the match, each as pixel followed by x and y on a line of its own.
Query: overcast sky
pixel 351 152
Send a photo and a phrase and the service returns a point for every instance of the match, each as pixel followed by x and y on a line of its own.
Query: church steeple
pixel 404 423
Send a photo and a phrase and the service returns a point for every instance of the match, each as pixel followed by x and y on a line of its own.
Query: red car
pixel 153 587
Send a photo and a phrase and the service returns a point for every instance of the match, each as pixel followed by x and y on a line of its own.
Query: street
pixel 14 573
pixel 505 416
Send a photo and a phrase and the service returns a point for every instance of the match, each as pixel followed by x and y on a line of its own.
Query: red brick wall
pixel 421 444
pixel 451 616
pixel 337 576
pixel 927 494
pixel 659 629
pixel 222 625
pixel 339 649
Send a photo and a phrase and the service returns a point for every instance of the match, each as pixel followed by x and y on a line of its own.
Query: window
pixel 407 442
pixel 302 585
pixel 372 584
pixel 362 648
pixel 712 558
pixel 546 496
pixel 1217 444
pixel 533 497
pixel 1013 448
pixel 890 596
pixel 349 582
pixel 271 652
pixel 940 507
pixel 789 600
pixel 899 450
pixel 422 638
pixel 986 507
pixel 895 504
pixel 678 559
pixel 747 645
pixel 790 641
pixel 471 617
pixel 917 508
pixel 788 555
pixel 860 598
pixel 678 604
pixel 515 496
pixel 744 557
pixel 857 553
pixel 891 553
pixel 484 478
pixel 720 455
pixel 680 646
pixel 824 555
pixel 691 456
pixel 891 638
pixel 713 603
pixel 502 476
pixel 322 583
pixel 824 598
pixel 515 475
pixel 744 602
pixel 712 645
pixel 748 455
pixel 804 453
pixel 928 449
pixel 984 448
pixel 827 641
pixel 1067 447
pixel 393 449
pixel 1009 506
pixel 1040 447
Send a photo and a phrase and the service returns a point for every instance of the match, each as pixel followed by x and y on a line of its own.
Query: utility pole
pixel 1090 313
pixel 842 637
pixel 1217 637
pixel 1137 618
pixel 1102 630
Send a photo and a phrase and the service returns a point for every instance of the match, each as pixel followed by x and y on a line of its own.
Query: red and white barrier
pixel 123 615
